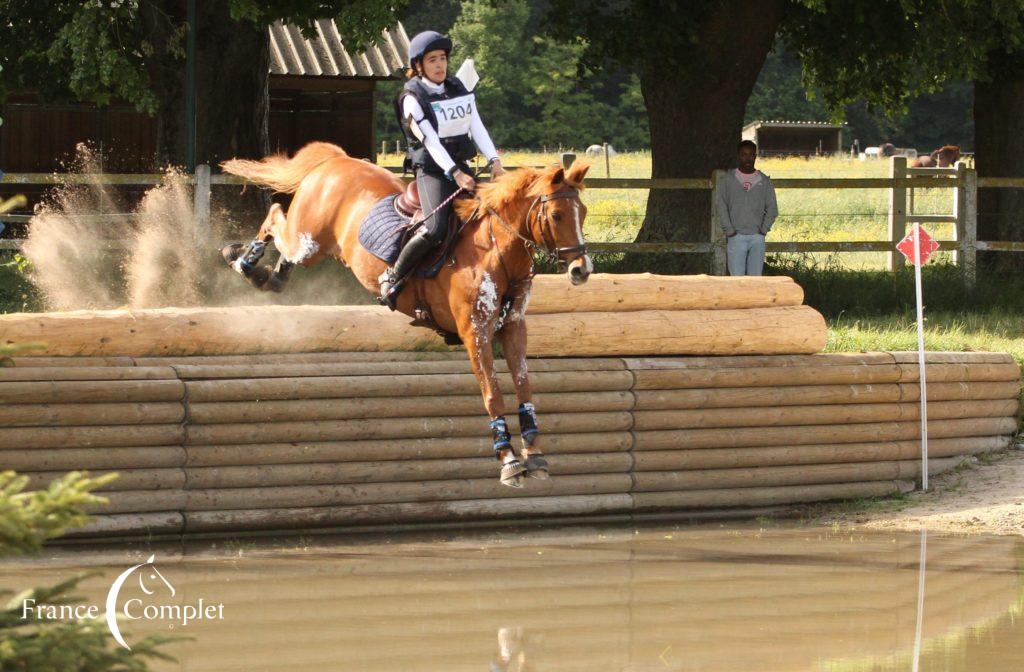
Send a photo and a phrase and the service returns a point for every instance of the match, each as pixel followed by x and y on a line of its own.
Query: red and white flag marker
pixel 917 247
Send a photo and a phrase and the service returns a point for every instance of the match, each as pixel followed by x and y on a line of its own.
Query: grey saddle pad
pixel 382 229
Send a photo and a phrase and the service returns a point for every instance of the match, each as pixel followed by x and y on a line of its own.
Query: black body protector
pixel 449 113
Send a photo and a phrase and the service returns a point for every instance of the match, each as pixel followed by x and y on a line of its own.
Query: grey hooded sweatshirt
pixel 746 203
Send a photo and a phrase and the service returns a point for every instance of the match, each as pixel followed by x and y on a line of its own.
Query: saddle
pixel 388 226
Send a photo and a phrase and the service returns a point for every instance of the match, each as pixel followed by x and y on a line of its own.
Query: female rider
pixel 441 124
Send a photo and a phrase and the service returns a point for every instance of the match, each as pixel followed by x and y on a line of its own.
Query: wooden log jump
pixel 223 443
pixel 654 393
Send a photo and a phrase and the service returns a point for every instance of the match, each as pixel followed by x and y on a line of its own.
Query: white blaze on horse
pixel 474 290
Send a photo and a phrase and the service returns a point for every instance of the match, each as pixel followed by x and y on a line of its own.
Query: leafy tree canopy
pixel 96 50
pixel 530 94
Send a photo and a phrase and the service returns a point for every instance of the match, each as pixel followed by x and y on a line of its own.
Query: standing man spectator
pixel 747 210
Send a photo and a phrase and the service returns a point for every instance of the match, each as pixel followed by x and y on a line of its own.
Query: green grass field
pixel 615 215
pixel 867 308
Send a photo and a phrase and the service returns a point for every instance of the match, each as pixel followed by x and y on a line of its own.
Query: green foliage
pixel 836 291
pixel 85 50
pixel 27 519
pixel 93 51
pixel 530 92
pixel 56 646
pixel 780 94
pixel 439 15
pixel 932 120
pixel 17 294
pixel 887 51
pixel 929 121
pixel 97 42
pixel 634 35
pixel 360 21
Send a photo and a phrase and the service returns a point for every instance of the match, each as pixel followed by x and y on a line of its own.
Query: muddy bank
pixel 987 497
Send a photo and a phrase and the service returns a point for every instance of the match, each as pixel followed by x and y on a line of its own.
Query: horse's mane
pixel 502 193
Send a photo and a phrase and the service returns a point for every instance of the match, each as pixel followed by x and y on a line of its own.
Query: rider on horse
pixel 441 124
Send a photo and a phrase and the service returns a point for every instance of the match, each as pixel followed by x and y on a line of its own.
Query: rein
pixel 440 205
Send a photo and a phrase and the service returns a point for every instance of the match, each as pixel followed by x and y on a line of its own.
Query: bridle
pixel 544 218
pixel 544 248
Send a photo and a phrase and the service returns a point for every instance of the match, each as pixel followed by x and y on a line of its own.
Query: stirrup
pixel 390 287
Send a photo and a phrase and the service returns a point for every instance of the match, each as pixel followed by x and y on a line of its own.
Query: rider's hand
pixel 464 180
pixel 497 170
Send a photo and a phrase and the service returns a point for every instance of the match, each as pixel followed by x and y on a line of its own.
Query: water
pixel 654 597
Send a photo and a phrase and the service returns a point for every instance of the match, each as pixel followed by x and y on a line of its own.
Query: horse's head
pixel 948 155
pixel 555 218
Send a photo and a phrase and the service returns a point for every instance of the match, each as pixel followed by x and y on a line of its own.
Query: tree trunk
pixel 999 152
pixel 161 20
pixel 696 115
pixel 232 96
pixel 232 87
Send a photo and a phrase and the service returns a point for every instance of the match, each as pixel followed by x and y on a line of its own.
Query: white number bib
pixel 453 115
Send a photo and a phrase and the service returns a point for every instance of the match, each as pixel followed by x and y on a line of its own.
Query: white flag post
pixel 918 246
pixel 920 356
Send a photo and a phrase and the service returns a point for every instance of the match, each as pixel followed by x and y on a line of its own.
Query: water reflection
pixel 583 598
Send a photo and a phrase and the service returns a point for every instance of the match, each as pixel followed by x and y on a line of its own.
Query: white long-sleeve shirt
pixel 481 138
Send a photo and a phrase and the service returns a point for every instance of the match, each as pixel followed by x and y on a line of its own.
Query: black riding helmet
pixel 428 40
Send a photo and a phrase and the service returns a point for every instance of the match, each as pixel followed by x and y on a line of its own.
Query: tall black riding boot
pixel 392 279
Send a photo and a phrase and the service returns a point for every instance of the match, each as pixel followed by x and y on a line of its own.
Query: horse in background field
pixel 479 294
pixel 943 157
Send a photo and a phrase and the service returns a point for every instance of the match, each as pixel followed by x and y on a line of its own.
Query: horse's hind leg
pixel 279 278
pixel 244 259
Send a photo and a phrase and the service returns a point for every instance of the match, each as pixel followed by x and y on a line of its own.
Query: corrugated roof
pixel 325 54
pixel 793 124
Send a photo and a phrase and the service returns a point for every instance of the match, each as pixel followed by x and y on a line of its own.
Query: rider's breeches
pixel 435 188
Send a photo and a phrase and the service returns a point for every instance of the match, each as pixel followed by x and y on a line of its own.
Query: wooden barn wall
pixel 38 137
pixel 305 109
pixel 796 141
pixel 41 137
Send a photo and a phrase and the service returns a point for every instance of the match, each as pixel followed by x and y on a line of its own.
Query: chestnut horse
pixel 943 157
pixel 482 293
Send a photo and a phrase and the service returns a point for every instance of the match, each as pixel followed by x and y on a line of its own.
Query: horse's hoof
pixel 512 474
pixel 536 466
pixel 231 252
pixel 274 283
pixel 259 276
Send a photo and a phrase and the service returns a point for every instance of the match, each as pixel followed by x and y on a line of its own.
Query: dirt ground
pixel 987 497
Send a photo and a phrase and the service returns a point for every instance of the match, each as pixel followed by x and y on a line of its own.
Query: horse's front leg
pixel 476 328
pixel 513 344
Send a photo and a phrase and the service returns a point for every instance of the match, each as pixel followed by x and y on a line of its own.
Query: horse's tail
pixel 280 173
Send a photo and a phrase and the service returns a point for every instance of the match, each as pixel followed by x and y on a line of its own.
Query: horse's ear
pixel 558 177
pixel 578 171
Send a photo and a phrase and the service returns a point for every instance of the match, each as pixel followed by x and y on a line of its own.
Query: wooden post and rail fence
pixel 901 185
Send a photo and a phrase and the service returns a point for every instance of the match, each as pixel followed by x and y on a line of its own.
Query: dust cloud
pixel 90 249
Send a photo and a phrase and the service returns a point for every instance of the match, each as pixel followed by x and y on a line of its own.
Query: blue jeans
pixel 745 252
